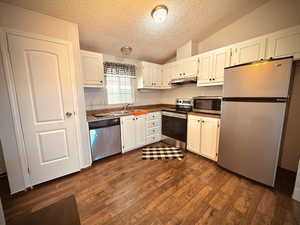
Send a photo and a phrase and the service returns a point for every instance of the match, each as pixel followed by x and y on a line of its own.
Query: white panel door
pixel 92 69
pixel 41 71
pixel 209 138
pixel 205 69
pixel 249 51
pixel 128 133
pixel 193 134
pixel 221 59
pixel 140 130
pixel 285 43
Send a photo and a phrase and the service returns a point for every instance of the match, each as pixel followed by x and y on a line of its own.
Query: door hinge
pixel 28 170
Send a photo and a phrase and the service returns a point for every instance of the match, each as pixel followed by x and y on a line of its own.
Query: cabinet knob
pixel 68 114
pixel 101 81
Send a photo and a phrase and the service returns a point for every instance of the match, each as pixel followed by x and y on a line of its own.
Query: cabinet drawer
pixel 153 139
pixel 153 116
pixel 153 123
pixel 153 131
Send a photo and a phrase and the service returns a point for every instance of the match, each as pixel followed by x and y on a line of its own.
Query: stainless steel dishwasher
pixel 105 138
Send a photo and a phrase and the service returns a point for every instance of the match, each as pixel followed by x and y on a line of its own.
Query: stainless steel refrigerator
pixel 255 98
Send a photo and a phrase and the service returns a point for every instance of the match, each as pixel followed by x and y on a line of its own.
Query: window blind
pixel 119 82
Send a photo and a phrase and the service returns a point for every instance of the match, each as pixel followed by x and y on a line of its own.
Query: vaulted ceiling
pixel 107 25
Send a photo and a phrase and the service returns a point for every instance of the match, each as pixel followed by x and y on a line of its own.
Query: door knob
pixel 68 114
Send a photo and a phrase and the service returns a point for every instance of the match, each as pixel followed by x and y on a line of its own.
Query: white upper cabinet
pixel 284 43
pixel 150 76
pixel 221 59
pixel 205 69
pixel 166 76
pixel 190 67
pixel 249 51
pixel 212 64
pixel 92 69
pixel 156 75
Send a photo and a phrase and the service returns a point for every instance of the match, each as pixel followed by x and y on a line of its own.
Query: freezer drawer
pixel 250 139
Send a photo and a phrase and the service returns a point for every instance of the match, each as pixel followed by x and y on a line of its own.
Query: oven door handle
pixel 177 115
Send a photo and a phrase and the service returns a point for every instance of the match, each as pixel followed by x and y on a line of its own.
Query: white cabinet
pixel 212 64
pixel 151 76
pixel 205 69
pixel 156 75
pixel 133 132
pixel 166 76
pixel 249 51
pixel 92 69
pixel 221 59
pixel 187 67
pixel 193 134
pixel 203 136
pixel 209 138
pixel 284 43
pixel 153 127
pixel 140 131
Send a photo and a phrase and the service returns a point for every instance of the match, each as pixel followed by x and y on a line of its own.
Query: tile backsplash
pixel 95 98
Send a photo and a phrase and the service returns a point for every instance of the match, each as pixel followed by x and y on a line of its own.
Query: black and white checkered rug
pixel 156 153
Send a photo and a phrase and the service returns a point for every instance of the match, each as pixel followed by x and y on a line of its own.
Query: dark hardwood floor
pixel 124 189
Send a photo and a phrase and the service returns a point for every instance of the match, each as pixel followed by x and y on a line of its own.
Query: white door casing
pixel 42 79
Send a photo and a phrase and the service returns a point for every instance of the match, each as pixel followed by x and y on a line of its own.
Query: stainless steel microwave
pixel 207 104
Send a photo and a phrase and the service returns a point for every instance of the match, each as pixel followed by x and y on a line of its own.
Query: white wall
pixel 291 149
pixel 189 91
pixel 272 16
pixel 29 21
pixel 95 98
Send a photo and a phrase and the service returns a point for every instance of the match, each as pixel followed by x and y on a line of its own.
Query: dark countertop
pixel 151 108
pixel 205 115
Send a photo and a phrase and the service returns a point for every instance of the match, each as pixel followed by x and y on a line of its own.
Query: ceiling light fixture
pixel 126 50
pixel 159 13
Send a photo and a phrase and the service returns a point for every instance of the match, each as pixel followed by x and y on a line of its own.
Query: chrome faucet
pixel 125 108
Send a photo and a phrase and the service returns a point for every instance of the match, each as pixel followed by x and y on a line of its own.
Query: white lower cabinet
pixel 203 136
pixel 138 131
pixel 153 127
pixel 133 132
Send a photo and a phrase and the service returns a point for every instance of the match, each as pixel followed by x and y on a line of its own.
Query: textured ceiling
pixel 107 25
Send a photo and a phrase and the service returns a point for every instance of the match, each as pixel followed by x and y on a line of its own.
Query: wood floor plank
pixel 126 190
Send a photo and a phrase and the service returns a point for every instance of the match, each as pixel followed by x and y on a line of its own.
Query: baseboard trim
pixel 296 194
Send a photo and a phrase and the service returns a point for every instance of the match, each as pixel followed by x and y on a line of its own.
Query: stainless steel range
pixel 174 121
